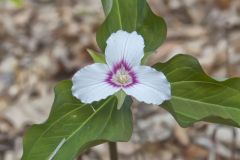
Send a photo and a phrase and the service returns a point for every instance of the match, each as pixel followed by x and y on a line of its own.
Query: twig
pixel 213 151
pixel 234 143
pixel 113 151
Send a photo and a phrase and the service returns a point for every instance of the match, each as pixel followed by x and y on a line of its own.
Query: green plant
pixel 74 126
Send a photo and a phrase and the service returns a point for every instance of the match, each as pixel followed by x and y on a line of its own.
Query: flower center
pixel 121 76
pixel 123 79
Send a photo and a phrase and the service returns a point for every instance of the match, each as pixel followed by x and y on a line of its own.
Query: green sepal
pixel 97 57
pixel 121 95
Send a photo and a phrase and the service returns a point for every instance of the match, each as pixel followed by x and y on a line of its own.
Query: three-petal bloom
pixel 123 71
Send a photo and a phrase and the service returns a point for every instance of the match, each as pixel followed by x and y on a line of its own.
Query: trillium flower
pixel 123 72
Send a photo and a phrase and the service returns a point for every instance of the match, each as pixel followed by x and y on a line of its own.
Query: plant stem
pixel 113 151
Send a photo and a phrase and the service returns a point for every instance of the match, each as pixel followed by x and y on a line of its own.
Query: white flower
pixel 124 52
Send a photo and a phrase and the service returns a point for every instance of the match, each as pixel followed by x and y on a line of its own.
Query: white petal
pixel 152 86
pixel 89 83
pixel 124 46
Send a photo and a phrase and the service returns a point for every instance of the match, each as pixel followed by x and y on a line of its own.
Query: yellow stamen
pixel 123 78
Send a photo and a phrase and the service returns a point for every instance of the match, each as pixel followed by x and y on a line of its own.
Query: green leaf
pixel 132 15
pixel 97 57
pixel 198 97
pixel 73 127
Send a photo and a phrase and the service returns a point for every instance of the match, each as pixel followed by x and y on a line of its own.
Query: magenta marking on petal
pixel 118 66
pixel 109 79
pixel 121 64
pixel 134 79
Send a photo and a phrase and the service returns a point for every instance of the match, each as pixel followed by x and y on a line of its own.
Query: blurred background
pixel 45 41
